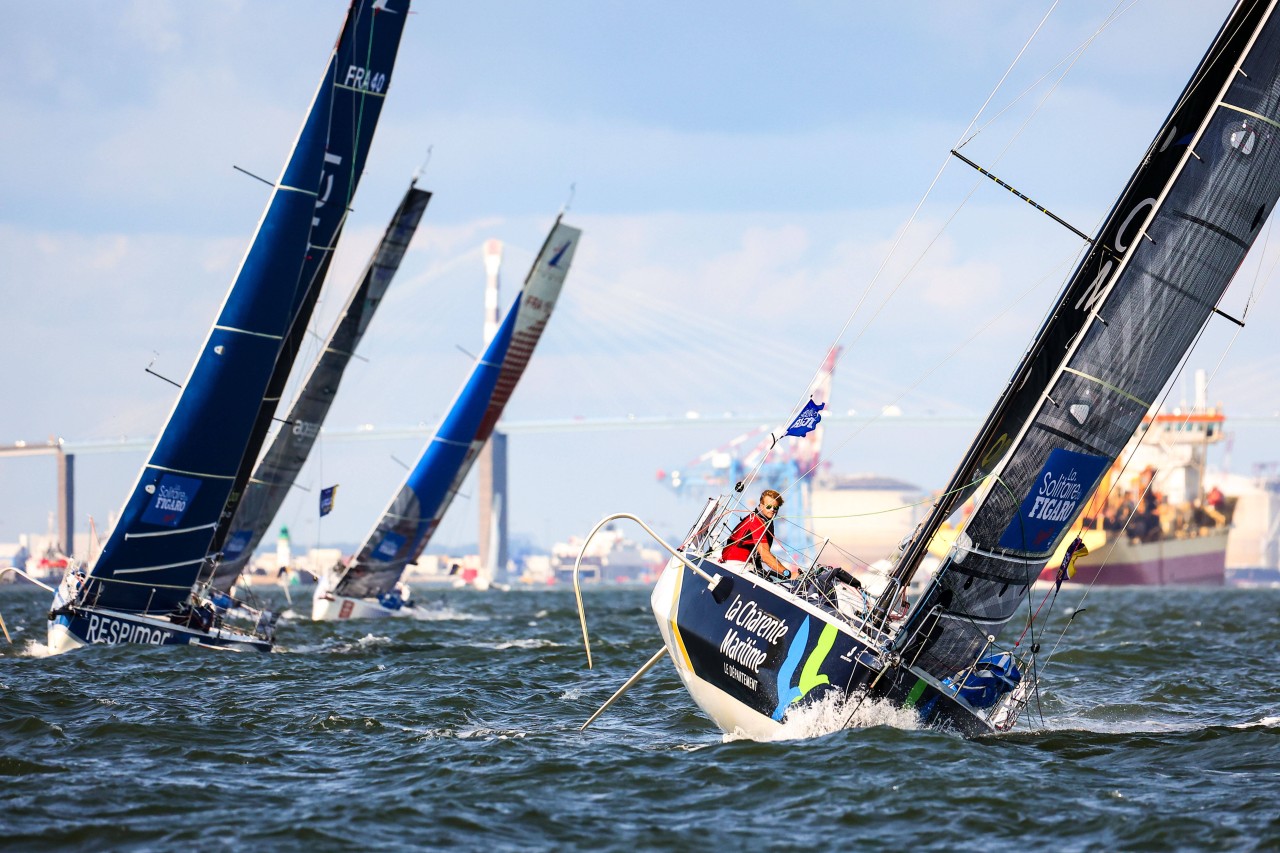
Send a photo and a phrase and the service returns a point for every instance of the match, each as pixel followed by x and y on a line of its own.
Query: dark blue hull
pixel 74 627
pixel 763 652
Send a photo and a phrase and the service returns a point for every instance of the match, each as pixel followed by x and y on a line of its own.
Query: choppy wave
pixel 1155 728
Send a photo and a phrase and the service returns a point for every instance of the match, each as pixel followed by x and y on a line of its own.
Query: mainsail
pixel 415 511
pixel 360 75
pixel 291 446
pixel 1123 324
pixel 155 550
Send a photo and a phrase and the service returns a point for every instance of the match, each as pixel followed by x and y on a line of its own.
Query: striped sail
pixel 415 511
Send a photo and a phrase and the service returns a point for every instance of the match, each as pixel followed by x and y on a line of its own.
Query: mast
pixel 1092 278
pixel 1117 335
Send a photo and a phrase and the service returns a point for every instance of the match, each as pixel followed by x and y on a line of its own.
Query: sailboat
pixel 141 588
pixel 363 62
pixel 752 651
pixel 368 584
pixel 288 452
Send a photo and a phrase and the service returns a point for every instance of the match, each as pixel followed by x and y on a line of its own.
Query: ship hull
pixel 754 658
pixel 331 607
pixel 76 627
pixel 1195 561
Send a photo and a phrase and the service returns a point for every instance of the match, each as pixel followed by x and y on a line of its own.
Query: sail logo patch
pixel 113 632
pixel 236 544
pixel 555 259
pixel 1056 497
pixel 170 500
pixel 389 546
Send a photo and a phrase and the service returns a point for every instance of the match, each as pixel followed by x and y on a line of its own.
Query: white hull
pixel 339 608
pixel 61 640
pixel 329 607
pixel 730 715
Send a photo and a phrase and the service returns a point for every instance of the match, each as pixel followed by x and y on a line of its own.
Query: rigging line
pixel 1077 52
pixel 920 258
pixel 930 499
pixel 948 357
pixel 353 175
pixel 418 172
pixel 946 160
pixel 1089 588
pixel 962 141
pixel 1249 299
pixel 1026 122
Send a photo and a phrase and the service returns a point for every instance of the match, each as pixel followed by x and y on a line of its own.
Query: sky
pixel 748 177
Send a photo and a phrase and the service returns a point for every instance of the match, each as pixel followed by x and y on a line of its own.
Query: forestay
pixel 406 526
pixel 1132 310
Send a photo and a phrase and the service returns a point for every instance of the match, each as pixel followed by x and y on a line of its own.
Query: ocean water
pixel 1158 729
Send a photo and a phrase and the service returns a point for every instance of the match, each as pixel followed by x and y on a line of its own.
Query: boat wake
pixel 443 613
pixel 1265 722
pixel 527 643
pixel 35 649
pixel 836 713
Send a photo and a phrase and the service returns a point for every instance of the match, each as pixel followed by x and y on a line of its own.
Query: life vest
pixel 745 537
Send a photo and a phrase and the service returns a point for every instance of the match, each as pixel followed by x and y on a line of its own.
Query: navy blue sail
pixel 360 77
pixel 288 452
pixel 140 587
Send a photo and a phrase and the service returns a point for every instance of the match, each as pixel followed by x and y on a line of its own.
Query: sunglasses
pixel 773 507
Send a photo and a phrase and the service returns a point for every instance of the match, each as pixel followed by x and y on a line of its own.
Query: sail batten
pixel 251 332
pixel 181 532
pixel 166 567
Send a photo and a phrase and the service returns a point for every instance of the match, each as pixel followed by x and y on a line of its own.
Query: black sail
pixel 276 471
pixel 1130 313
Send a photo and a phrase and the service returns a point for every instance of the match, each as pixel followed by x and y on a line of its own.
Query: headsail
pixel 406 526
pixel 360 75
pixel 1125 321
pixel 291 446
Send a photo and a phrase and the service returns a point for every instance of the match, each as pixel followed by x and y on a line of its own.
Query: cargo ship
pixel 1159 526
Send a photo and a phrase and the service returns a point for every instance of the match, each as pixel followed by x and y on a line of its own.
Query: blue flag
pixel 808 419
pixel 326 500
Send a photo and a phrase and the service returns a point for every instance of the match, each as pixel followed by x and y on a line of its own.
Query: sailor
pixel 1214 503
pixel 749 543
